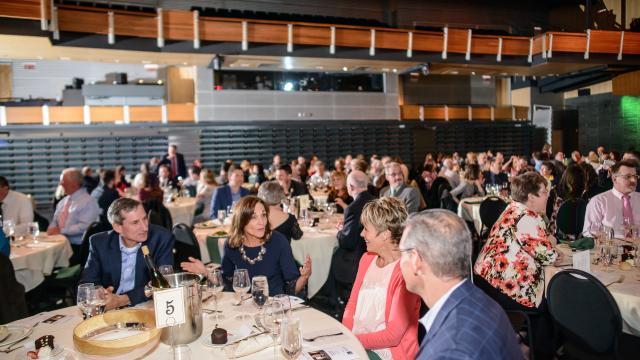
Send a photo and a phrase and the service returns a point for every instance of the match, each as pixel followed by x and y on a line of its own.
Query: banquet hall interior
pixel 320 156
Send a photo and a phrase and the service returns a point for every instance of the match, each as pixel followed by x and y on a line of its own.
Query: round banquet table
pixel 626 293
pixel 182 210
pixel 312 322
pixel 33 261
pixel 469 210
pixel 318 242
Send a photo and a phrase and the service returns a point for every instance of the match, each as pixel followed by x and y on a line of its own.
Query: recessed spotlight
pixel 344 68
pixel 395 70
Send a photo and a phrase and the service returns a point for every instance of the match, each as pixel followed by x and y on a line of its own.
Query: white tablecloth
pixel 469 210
pixel 182 210
pixel 626 293
pixel 318 244
pixel 311 321
pixel 32 261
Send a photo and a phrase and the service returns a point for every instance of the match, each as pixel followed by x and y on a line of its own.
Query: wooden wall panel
pixel 632 43
pixel 353 38
pixel 145 114
pixel 6 81
pixel 392 40
pixel 267 33
pixel 178 25
pixel 428 41
pixel 85 21
pixel 457 42
pixel 484 45
pixel 627 84
pixel 434 113
pixel 458 113
pixel 311 35
pixel 515 46
pixel 568 42
pixel 66 115
pixel 180 84
pixel 180 112
pixel 410 112
pixel 106 114
pixel 215 30
pixel 478 114
pixel 605 42
pixel 140 25
pixel 24 115
pixel 28 9
pixel 503 113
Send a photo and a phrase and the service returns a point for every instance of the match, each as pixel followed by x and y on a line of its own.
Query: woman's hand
pixel 305 273
pixel 194 266
pixel 340 203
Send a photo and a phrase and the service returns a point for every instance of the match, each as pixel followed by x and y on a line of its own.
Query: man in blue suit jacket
pixel 115 259
pixel 462 321
pixel 227 195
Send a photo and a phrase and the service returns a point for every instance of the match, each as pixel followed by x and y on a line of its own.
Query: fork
pixel 321 336
pixel 14 347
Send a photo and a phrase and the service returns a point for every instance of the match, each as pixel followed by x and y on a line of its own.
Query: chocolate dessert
pixel 43 341
pixel 219 336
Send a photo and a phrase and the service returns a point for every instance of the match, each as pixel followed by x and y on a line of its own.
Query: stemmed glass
pixel 291 337
pixel 221 215
pixel 166 269
pixel 271 318
pixel 98 300
pixel 215 285
pixel 83 298
pixel 597 230
pixel 34 231
pixel 285 300
pixel 259 290
pixel 241 284
pixel 9 228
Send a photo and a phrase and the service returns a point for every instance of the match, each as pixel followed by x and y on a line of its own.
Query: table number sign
pixel 581 261
pixel 169 307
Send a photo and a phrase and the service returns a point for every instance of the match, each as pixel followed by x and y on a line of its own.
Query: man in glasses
pixel 618 208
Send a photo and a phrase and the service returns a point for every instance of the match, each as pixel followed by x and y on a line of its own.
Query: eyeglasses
pixel 405 250
pixel 628 177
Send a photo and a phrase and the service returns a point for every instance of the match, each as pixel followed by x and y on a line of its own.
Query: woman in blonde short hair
pixel 381 312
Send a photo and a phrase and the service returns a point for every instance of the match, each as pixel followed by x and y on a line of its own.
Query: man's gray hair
pixel 73 174
pixel 390 165
pixel 358 179
pixel 114 214
pixel 271 192
pixel 443 241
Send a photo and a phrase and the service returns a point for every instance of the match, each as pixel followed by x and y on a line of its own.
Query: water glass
pixel 9 228
pixel 291 337
pixel 241 283
pixel 166 269
pixel 271 318
pixel 221 215
pixel 285 300
pixel 34 230
pixel 83 298
pixel 98 300
pixel 215 286
pixel 259 290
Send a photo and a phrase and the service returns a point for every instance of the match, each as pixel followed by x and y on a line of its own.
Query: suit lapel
pixel 452 302
pixel 116 259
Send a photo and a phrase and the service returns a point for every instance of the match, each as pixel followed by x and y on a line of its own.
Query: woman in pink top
pixel 381 312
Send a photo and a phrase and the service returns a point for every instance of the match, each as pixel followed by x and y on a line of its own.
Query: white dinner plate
pixel 58 353
pixel 16 333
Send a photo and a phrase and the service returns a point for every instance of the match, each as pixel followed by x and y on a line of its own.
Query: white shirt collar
pixel 428 319
pixel 128 250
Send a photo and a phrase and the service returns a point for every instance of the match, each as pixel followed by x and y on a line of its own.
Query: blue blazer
pixel 221 198
pixel 470 325
pixel 105 260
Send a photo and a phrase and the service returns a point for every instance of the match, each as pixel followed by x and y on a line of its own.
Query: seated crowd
pixel 400 250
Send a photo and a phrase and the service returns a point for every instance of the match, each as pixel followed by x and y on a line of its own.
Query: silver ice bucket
pixel 192 328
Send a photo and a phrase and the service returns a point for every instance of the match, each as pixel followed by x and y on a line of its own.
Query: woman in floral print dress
pixel 510 266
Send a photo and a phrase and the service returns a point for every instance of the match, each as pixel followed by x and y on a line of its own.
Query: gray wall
pixel 48 78
pixel 250 105
pixel 449 90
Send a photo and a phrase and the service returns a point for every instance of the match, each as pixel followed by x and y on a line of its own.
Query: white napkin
pixel 37 245
pixel 248 346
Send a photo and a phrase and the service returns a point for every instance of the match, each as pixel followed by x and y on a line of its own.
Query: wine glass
pixel 34 230
pixel 221 215
pixel 291 337
pixel 166 269
pixel 98 300
pixel 271 318
pixel 259 290
pixel 83 297
pixel 285 300
pixel 241 284
pixel 9 228
pixel 215 285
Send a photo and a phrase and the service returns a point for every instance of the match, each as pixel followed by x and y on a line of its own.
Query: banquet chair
pixel 14 305
pixel 490 210
pixel 214 251
pixel 585 315
pixel 570 218
pixel 94 228
pixel 43 223
pixel 186 244
pixel 161 217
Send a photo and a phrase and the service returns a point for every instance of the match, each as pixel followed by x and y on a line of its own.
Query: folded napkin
pixel 584 243
pixel 248 346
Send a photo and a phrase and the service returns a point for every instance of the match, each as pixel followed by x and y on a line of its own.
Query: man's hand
pixel 115 301
pixel 53 230
pixel 340 225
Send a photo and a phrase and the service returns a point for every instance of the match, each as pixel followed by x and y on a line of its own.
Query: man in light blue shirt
pixel 128 275
pixel 75 212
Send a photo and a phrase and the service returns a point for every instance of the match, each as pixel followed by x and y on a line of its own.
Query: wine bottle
pixel 157 279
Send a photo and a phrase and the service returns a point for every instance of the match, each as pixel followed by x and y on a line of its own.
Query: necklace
pixel 249 260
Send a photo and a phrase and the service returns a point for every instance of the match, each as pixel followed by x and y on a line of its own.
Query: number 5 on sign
pixel 169 307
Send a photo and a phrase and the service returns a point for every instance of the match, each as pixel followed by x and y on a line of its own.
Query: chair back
pixel 570 218
pixel 14 304
pixel 214 250
pixel 94 228
pixel 43 222
pixel 158 214
pixel 490 210
pixel 434 194
pixel 584 312
pixel 186 244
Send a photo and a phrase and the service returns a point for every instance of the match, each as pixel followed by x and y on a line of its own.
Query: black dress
pixel 290 228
